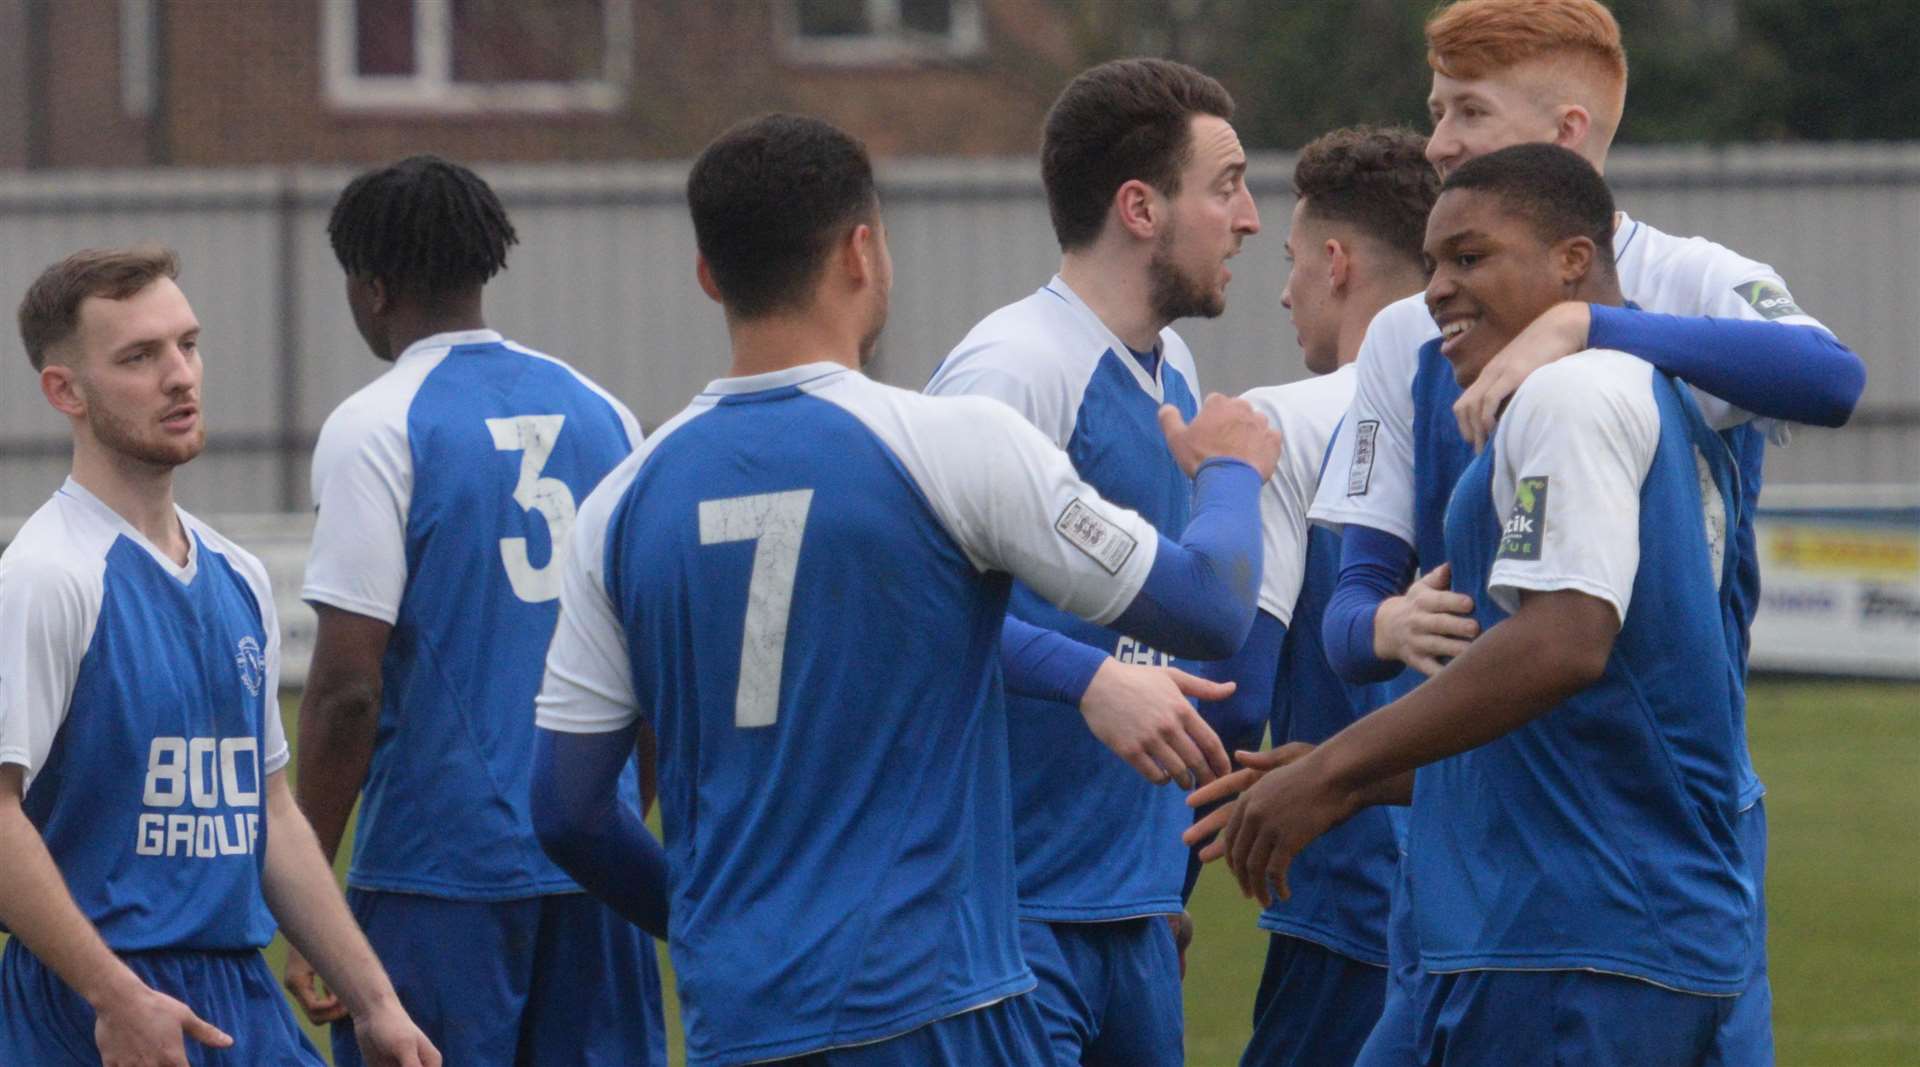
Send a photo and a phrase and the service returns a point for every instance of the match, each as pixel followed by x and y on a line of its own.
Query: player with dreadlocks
pixel 445 491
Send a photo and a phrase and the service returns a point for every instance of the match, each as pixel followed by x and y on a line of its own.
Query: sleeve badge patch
pixel 1770 299
pixel 1360 474
pixel 1526 524
pixel 1090 532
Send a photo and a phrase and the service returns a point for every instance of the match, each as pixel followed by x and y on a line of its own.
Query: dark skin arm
pixel 339 713
pixel 1554 646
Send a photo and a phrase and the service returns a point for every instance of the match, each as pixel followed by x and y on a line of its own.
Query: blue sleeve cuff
pixel 1045 665
pixel 1779 371
pixel 1374 565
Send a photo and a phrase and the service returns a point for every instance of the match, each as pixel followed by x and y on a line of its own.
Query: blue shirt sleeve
pixel 1046 665
pixel 1199 598
pixel 1374 565
pixel 1777 370
pixel 593 833
pixel 1242 718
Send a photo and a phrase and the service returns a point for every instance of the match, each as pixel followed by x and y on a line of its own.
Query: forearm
pixel 36 906
pixel 1374 567
pixel 1042 664
pixel 1511 675
pixel 300 891
pixel 1778 370
pixel 338 721
pixel 1199 598
pixel 587 830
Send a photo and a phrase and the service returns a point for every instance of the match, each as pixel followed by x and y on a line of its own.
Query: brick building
pixel 103 83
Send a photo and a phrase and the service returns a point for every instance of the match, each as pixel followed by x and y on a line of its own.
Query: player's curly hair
pixel 424 226
pixel 1555 189
pixel 1373 178
pixel 1123 120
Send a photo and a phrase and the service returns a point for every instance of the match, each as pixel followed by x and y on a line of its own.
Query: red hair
pixel 1472 39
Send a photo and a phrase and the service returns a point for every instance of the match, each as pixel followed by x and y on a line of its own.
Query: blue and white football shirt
pixel 445 490
pixel 1340 881
pixel 1605 834
pixel 142 698
pixel 799 582
pixel 1372 480
pixel 1094 840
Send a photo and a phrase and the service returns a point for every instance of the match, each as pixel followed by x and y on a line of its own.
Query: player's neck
pixel 139 492
pixel 780 342
pixel 1117 291
pixel 409 323
pixel 1365 303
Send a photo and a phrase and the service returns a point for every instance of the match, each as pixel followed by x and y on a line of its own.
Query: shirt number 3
pixel 533 436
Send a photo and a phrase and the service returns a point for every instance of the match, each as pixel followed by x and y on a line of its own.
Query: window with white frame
pixel 478 55
pixel 880 31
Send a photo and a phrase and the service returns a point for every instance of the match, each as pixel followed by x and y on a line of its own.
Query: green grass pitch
pixel 1842 765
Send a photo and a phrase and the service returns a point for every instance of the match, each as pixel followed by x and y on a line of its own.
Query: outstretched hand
pixel 1145 716
pixel 1226 427
pixel 1282 807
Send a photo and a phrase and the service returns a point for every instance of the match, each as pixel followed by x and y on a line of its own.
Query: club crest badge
pixel 252 663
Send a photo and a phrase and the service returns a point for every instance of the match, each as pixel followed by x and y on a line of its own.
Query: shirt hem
pixel 1066 913
pixel 1340 518
pixel 1693 985
pixel 986 997
pixel 1371 955
pixel 492 893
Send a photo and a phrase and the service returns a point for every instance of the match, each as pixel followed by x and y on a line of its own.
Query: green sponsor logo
pixel 1526 524
pixel 1770 299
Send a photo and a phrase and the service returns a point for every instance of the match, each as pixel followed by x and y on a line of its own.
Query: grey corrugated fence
pixel 605 279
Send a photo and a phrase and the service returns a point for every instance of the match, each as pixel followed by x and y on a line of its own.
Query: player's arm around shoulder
pixel 1569 460
pixel 300 891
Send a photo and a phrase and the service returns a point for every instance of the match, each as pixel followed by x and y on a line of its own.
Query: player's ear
pixel 1573 258
pixel 1339 266
pixel 61 386
pixel 861 253
pixel 379 297
pixel 705 274
pixel 1136 207
pixel 1571 125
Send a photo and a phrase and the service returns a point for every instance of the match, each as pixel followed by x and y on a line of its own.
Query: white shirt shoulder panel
pixel 1370 475
pixel 52 583
pixel 1570 456
pixel 1306 414
pixel 362 489
pixel 1007 495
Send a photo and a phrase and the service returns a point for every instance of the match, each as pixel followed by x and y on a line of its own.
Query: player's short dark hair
pixel 425 226
pixel 770 198
pixel 50 311
pixel 1556 190
pixel 1373 178
pixel 1123 120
